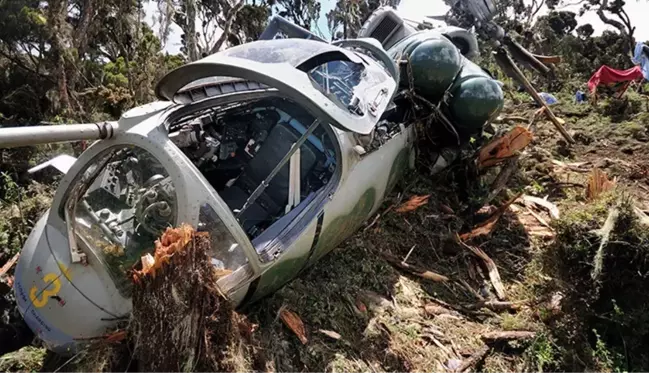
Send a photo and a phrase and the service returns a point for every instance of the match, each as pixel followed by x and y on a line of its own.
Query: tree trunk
pixel 230 16
pixel 190 30
pixel 56 19
pixel 181 321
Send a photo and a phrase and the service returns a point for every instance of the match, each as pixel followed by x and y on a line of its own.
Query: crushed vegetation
pixel 389 318
pixel 180 320
pixel 528 287
pixel 178 309
pixel 405 294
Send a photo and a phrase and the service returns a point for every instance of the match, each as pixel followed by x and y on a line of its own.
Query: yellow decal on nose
pixel 45 294
pixel 50 279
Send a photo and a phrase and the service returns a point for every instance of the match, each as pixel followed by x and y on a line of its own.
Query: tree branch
pixel 28 52
pixel 535 8
pixel 18 62
pixel 566 5
pixel 626 20
pixel 602 16
pixel 228 25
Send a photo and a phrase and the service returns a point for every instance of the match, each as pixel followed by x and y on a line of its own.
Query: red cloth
pixel 606 75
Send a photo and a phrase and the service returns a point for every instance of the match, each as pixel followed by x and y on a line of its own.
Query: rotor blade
pixel 524 57
pixel 437 18
pixel 547 59
pixel 509 67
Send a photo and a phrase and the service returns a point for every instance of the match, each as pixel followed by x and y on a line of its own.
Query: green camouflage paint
pixel 278 275
pixel 399 165
pixel 336 231
pixel 343 226
pixel 339 229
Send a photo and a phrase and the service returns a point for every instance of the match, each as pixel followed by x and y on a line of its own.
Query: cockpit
pixel 238 146
pixel 258 123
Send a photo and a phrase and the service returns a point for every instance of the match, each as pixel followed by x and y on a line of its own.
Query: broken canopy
pixel 606 75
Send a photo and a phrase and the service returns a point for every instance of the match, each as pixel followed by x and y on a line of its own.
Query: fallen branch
pixel 501 180
pixel 551 207
pixel 539 218
pixel 547 59
pixel 487 226
pixel 490 268
pixel 435 309
pixel 510 118
pixel 497 306
pixel 293 322
pixel 474 359
pixel 533 226
pixel 575 166
pixel 412 204
pixel 501 57
pixel 471 290
pixel 605 234
pixel 420 272
pixel 494 337
pixel 444 304
pixel 504 147
pixel 5 268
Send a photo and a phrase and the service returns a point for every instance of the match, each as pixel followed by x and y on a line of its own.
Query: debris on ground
pixel 293 322
pixel 490 268
pixel 550 280
pixel 413 203
pixel 493 337
pixel 487 226
pixel 504 147
pixel 549 206
pixel 7 266
pixel 420 272
pixel 598 183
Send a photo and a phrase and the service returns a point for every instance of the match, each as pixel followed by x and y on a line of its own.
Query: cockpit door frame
pixel 290 81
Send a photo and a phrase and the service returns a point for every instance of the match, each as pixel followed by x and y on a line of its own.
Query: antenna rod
pixel 37 135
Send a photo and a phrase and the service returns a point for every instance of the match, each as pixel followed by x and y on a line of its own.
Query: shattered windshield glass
pixel 123 202
pixel 337 79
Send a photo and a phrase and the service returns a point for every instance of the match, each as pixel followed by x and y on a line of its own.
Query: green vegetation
pixel 27 359
pixel 78 71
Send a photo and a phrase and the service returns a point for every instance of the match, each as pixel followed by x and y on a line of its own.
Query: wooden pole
pixel 504 58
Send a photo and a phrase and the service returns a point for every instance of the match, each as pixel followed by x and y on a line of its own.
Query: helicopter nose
pixel 48 297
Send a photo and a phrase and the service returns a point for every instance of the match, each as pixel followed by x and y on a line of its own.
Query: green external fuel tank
pixel 474 98
pixel 434 63
pixel 439 72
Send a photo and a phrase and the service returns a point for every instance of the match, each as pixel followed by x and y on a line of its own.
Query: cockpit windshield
pixel 339 74
pixel 338 79
pixel 123 202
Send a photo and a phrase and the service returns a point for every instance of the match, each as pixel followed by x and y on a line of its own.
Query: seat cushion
pixel 235 198
pixel 278 143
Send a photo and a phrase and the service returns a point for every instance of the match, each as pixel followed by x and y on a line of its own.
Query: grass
pixel 27 359
pixel 380 312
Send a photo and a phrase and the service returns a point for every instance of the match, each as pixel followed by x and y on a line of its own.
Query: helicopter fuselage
pixel 71 280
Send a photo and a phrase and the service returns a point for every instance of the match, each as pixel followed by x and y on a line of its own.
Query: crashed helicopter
pixel 279 149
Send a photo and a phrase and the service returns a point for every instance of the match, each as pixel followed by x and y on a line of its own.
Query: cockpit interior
pixel 237 147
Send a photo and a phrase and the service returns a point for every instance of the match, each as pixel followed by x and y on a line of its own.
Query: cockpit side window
pixel 226 253
pixel 122 203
